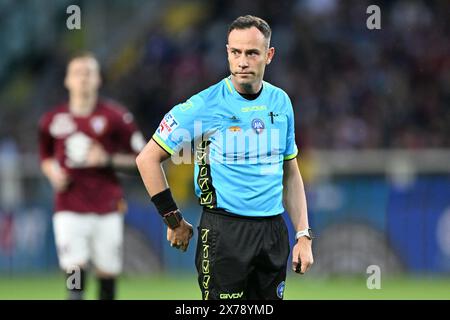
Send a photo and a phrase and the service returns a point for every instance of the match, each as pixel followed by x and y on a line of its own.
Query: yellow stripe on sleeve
pixel 162 144
pixel 291 156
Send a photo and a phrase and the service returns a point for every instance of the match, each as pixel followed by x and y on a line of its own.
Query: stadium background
pixel 372 116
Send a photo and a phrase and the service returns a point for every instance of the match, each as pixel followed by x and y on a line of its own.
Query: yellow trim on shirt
pixel 291 156
pixel 162 144
pixel 228 85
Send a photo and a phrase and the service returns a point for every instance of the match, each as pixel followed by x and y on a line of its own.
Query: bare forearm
pixel 123 161
pixel 152 174
pixel 151 171
pixel 47 167
pixel 294 198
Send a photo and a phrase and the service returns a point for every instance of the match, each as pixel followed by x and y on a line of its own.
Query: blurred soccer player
pixel 244 187
pixel 82 142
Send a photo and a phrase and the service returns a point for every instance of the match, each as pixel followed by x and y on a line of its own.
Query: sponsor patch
pixel 253 108
pixel 258 125
pixel 167 125
pixel 62 125
pixel 77 147
pixel 234 128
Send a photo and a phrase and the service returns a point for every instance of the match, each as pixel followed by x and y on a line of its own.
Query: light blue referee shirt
pixel 239 146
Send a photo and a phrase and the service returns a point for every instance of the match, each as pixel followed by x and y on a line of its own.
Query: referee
pixel 242 134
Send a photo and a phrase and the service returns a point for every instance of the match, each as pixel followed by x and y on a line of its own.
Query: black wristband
pixel 164 202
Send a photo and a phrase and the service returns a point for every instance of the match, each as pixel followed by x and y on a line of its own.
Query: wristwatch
pixel 304 233
pixel 172 219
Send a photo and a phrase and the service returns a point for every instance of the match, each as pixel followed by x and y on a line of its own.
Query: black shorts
pixel 241 257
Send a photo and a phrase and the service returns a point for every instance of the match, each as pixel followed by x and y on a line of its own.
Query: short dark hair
pixel 82 54
pixel 248 21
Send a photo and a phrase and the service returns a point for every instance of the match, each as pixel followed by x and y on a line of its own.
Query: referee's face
pixel 248 54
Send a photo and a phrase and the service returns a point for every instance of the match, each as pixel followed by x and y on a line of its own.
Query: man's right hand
pixel 58 177
pixel 180 236
pixel 59 180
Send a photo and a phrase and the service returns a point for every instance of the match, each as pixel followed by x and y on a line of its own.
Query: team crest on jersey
pixel 98 124
pixel 258 125
pixel 62 125
pixel 167 125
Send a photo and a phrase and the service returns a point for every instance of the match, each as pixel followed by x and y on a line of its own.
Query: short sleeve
pixel 130 138
pixel 291 147
pixel 181 124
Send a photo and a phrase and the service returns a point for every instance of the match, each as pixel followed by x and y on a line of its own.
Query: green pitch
pixel 165 287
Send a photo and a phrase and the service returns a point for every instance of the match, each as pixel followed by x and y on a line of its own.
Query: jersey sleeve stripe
pixel 291 156
pixel 162 144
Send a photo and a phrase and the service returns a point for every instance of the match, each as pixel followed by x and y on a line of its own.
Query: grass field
pixel 185 287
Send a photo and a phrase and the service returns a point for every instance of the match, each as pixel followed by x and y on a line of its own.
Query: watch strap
pixel 304 233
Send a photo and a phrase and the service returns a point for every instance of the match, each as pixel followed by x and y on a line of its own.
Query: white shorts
pixel 81 238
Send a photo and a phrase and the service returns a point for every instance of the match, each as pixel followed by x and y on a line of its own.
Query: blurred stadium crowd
pixel 351 87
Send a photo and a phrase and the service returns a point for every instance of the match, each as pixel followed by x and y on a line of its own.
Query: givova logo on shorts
pixel 237 295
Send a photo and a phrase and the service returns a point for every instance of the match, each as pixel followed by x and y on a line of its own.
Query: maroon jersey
pixel 66 138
